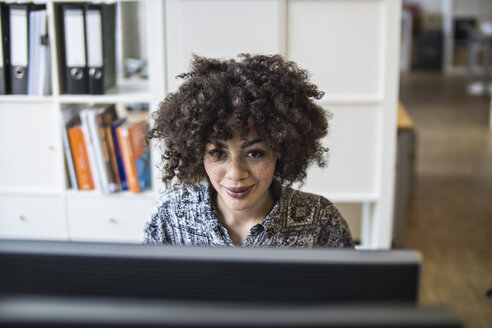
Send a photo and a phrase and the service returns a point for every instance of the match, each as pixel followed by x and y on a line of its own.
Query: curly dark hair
pixel 269 93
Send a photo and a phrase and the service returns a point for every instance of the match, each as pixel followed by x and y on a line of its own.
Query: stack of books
pixel 104 152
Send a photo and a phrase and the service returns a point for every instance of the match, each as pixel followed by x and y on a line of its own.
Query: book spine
pixel 128 157
pixel 141 153
pixel 88 137
pixel 112 157
pixel 98 150
pixel 81 158
pixel 69 158
pixel 119 160
pixel 104 154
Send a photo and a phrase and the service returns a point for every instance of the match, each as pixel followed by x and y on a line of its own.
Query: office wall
pixel 351 49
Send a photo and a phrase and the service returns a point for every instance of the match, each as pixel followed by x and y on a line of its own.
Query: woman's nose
pixel 237 170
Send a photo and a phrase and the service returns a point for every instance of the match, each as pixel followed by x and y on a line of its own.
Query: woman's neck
pixel 236 217
pixel 239 222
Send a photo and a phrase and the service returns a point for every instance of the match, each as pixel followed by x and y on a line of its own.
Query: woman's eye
pixel 216 153
pixel 255 153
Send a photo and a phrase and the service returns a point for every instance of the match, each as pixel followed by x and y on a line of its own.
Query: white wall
pixel 351 48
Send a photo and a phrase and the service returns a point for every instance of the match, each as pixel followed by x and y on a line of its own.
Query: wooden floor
pixel 450 215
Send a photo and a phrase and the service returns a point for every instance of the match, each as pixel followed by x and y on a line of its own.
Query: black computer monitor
pixel 275 275
pixel 70 312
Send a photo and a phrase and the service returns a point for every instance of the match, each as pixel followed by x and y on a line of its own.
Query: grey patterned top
pixel 186 216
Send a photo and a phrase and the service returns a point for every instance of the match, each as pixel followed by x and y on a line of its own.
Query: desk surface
pixel 404 120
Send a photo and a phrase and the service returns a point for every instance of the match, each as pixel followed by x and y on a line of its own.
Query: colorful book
pixel 81 159
pixel 135 155
pixel 90 140
pixel 93 126
pixel 112 157
pixel 70 118
pixel 117 152
pixel 105 115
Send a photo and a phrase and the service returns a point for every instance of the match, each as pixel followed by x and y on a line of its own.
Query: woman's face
pixel 241 171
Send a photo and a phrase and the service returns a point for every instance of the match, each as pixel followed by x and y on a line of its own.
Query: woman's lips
pixel 240 192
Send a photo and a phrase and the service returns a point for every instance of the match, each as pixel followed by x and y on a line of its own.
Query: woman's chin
pixel 235 204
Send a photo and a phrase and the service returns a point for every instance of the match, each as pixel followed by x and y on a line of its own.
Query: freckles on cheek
pixel 267 167
pixel 211 170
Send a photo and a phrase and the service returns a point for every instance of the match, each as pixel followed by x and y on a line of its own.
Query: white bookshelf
pixel 35 201
pixel 126 91
pixel 350 47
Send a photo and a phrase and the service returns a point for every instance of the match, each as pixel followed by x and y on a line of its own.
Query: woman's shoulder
pixel 179 210
pixel 179 196
pixel 313 208
pixel 318 215
pixel 294 197
pixel 309 207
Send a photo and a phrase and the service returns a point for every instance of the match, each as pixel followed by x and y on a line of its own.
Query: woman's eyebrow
pixel 218 144
pixel 245 144
pixel 251 142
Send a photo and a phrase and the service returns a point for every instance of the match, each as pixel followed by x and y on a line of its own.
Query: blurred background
pixel 445 88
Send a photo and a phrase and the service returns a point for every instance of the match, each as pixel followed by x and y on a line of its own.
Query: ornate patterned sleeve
pixel 155 229
pixel 335 232
pixel 151 230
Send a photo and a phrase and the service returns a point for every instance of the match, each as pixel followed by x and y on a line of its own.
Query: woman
pixel 236 135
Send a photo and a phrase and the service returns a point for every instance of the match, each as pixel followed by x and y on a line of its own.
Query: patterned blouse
pixel 186 216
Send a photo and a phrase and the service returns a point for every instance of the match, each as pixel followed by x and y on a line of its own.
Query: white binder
pixel 39 59
pixel 94 39
pixel 75 49
pixel 18 49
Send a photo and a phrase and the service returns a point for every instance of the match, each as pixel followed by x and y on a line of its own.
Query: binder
pixel 39 59
pixel 100 40
pixel 4 49
pixel 19 48
pixel 75 48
